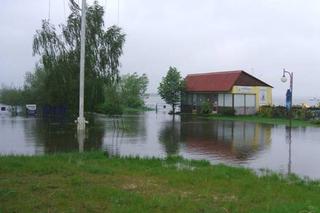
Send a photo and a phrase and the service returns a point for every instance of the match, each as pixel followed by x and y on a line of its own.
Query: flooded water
pixel 156 134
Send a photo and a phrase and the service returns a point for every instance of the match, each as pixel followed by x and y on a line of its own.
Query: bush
pixel 265 111
pixel 228 111
pixel 206 107
pixel 298 112
pixel 302 113
pixel 279 112
pixel 110 108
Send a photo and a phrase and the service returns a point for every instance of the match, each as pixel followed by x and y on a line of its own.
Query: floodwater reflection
pixel 153 134
pixel 289 141
pixel 169 137
pixel 225 140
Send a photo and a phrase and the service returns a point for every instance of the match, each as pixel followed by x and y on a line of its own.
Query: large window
pixel 250 100
pixel 194 99
pixel 221 100
pixel 239 100
pixel 228 100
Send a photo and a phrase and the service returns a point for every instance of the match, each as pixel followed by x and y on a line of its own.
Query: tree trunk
pixel 173 112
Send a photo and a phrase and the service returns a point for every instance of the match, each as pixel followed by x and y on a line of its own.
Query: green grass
pixel 92 182
pixel 129 110
pixel 258 119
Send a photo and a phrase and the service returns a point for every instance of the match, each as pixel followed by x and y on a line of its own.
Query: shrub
pixel 298 112
pixel 265 111
pixel 206 107
pixel 110 108
pixel 229 111
pixel 279 112
pixel 302 113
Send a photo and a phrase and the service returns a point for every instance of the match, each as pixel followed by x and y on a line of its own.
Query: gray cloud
pixel 259 36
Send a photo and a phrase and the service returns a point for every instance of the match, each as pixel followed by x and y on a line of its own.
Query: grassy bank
pixel 92 182
pixel 258 119
pixel 128 110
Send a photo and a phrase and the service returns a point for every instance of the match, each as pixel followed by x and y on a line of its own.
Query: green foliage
pixel 171 87
pixel 206 107
pixel 126 94
pixel 11 96
pixel 302 113
pixel 279 112
pixel 56 78
pixel 113 104
pixel 298 112
pixel 133 89
pixel 265 111
pixel 227 111
pixel 273 112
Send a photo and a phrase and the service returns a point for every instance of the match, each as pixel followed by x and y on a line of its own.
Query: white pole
pixel 81 119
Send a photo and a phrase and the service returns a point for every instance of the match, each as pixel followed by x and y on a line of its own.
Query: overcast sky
pixel 259 36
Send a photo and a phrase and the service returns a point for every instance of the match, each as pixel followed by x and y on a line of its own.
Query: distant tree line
pixel 55 80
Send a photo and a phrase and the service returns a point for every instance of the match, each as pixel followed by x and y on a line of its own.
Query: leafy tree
pixel 171 87
pixel 11 96
pixel 129 92
pixel 133 89
pixel 56 79
pixel 113 104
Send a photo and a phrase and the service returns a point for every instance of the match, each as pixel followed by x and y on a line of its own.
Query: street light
pixel 284 79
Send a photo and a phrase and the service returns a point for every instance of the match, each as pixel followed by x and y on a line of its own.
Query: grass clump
pixel 94 182
pixel 259 119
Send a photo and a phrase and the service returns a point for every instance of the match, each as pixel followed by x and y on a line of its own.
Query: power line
pixel 105 11
pixel 118 11
pixel 64 9
pixel 49 10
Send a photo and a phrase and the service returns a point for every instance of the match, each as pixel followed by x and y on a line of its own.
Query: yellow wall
pixel 258 91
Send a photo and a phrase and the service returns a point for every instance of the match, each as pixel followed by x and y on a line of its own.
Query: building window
pixel 250 100
pixel 228 100
pixel 194 99
pixel 239 100
pixel 221 100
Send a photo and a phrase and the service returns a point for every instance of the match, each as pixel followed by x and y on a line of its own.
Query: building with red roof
pixel 229 89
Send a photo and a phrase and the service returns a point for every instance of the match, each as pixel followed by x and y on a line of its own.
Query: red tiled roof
pixel 214 81
pixel 220 81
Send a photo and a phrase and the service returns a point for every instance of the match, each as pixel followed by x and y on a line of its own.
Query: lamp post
pixel 284 79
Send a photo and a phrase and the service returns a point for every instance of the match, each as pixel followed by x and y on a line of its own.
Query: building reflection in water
pixel 236 141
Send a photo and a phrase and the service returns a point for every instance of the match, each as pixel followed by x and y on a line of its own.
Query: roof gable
pixel 245 79
pixel 220 81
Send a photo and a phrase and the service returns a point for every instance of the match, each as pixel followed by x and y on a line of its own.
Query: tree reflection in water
pixel 169 137
pixel 56 136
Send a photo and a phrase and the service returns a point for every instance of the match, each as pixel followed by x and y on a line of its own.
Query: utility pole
pixel 81 120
